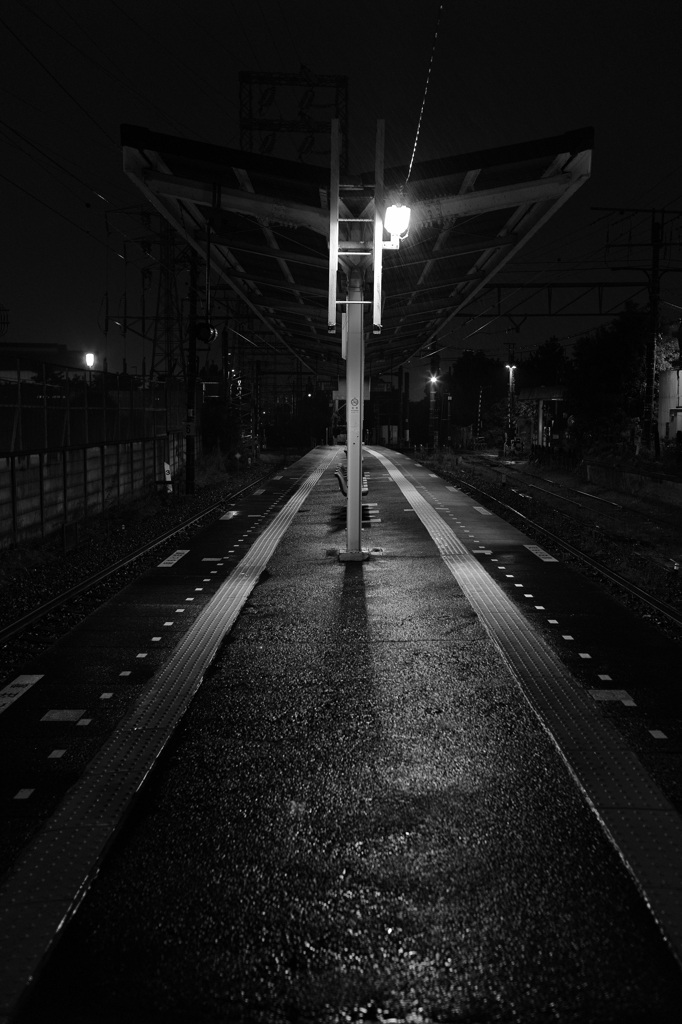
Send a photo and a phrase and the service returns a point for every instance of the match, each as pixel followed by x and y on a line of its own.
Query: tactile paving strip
pixel 51 878
pixel 636 816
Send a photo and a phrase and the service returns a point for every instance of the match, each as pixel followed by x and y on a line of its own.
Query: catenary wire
pixel 426 89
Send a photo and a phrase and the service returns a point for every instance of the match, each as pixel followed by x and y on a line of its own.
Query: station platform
pixel 440 785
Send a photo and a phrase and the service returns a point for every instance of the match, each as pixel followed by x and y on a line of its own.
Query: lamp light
pixel 434 380
pixel 89 360
pixel 397 220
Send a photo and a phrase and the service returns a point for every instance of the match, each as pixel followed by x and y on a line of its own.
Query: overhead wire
pixel 116 77
pixel 46 156
pixel 176 59
pixel 42 202
pixel 286 23
pixel 41 164
pixel 57 82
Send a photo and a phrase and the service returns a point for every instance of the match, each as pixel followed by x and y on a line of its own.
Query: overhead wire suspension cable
pixel 426 89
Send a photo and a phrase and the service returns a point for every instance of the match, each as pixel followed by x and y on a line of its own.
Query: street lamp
pixel 397 220
pixel 397 223
pixel 89 360
pixel 433 432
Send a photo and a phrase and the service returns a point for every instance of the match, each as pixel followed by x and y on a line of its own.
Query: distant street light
pixel 433 431
pixel 89 360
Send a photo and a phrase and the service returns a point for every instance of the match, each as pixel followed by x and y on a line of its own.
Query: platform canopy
pixel 265 223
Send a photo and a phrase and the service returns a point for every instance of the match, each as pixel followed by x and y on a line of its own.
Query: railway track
pixel 662 607
pixel 25 622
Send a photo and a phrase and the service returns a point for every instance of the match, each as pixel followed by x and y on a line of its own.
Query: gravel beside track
pixel 30 577
pixel 639 554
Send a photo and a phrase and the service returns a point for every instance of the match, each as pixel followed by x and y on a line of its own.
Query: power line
pixel 173 57
pixel 59 214
pixel 57 82
pixel 285 21
pixel 52 160
pixel 122 81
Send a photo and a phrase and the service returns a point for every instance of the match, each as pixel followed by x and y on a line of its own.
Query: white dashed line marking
pixel 527 595
pixel 540 607
pixel 229 515
pixel 141 655
pixel 63 715
pixel 124 673
pixel 14 690
pixel 155 639
pixel 172 559
pixel 583 655
pixel 23 794
pixel 189 599
pixel 605 679
pixel 540 552
pixel 657 734
pixel 169 623
pixel 554 622
pixel 57 753
pixel 105 696
pixel 198 590
pixel 84 721
pixel 621 695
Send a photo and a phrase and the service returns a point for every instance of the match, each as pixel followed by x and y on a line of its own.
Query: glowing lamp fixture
pixel 89 360
pixel 434 380
pixel 397 220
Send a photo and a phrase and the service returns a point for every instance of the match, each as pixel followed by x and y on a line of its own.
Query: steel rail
pixel 562 497
pixel 7 632
pixel 614 577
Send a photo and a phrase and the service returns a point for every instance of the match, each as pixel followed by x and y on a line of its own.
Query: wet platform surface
pixel 362 814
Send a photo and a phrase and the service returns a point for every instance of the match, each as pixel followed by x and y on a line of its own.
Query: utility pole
pixel 190 425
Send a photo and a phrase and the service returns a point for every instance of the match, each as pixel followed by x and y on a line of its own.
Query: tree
pixel 547 366
pixel 472 372
pixel 605 386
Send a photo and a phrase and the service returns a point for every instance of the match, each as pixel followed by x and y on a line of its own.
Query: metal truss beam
pixel 284 212
pixel 191 224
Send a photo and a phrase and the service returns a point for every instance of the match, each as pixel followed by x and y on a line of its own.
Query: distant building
pixel 669 403
pixel 540 416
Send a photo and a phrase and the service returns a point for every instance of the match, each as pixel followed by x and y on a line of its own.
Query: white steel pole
pixel 355 359
pixel 333 223
pixel 378 225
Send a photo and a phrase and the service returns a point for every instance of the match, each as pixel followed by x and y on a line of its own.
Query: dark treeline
pixel 602 377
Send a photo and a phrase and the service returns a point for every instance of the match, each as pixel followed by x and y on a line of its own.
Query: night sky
pixel 504 71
